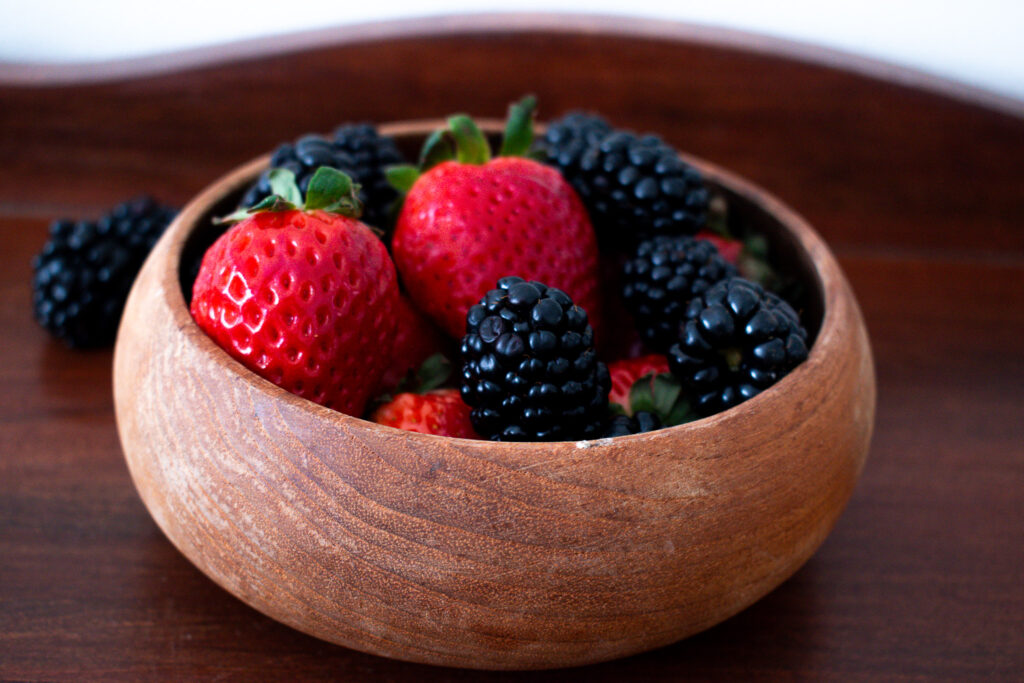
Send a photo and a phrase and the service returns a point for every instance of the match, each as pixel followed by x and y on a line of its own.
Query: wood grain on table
pixel 921 195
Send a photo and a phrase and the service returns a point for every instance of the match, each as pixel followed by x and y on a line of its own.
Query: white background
pixel 978 42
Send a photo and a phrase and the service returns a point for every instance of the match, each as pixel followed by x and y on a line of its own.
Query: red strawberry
pixel 440 412
pixel 729 248
pixel 303 296
pixel 415 340
pixel 466 224
pixel 625 373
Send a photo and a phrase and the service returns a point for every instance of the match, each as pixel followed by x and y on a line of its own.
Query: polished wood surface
pixel 918 193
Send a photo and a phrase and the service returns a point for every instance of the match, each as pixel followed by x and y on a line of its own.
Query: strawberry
pixel 440 412
pixel 468 222
pixel 645 385
pixel 415 340
pixel 625 373
pixel 303 295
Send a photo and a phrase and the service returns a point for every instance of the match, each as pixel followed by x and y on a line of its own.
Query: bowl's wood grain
pixel 471 553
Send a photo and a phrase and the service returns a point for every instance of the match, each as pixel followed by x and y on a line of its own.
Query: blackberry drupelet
pixel 84 272
pixel 637 186
pixel 624 425
pixel 663 275
pixel 567 139
pixel 357 150
pixel 529 368
pixel 371 153
pixel 736 341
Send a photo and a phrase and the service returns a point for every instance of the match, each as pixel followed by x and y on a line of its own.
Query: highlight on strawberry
pixel 302 293
pixel 499 251
pixel 470 218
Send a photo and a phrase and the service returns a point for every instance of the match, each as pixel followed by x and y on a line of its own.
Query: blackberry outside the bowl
pixel 736 341
pixel 83 275
pixel 664 273
pixel 356 149
pixel 529 369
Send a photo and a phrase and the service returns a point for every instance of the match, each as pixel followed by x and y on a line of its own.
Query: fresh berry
pixel 638 423
pixel 736 341
pixel 567 139
pixel 468 222
pixel 529 368
pixel 371 154
pixel 729 248
pixel 357 150
pixel 441 412
pixel 415 340
pixel 644 385
pixel 625 373
pixel 635 187
pixel 304 296
pixel 663 275
pixel 84 272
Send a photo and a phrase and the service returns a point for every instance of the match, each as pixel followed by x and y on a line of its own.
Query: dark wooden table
pixel 917 184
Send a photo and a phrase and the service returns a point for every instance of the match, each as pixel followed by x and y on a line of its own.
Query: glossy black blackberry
pixel 624 425
pixel 84 272
pixel 567 139
pixel 662 276
pixel 635 187
pixel 529 370
pixel 372 153
pixel 357 150
pixel 736 341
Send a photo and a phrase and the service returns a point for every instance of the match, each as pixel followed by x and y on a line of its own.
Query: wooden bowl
pixel 479 554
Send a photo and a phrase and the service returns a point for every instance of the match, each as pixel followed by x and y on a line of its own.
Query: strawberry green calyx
pixel 518 137
pixel 662 395
pixel 464 142
pixel 329 190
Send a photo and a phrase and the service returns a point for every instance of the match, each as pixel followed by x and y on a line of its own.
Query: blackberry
pixel 356 149
pixel 736 341
pixel 624 425
pixel 372 153
pixel 84 272
pixel 568 139
pixel 663 275
pixel 529 370
pixel 638 185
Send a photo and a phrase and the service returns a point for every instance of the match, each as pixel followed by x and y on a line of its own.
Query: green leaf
pixel 328 188
pixel 239 215
pixel 616 409
pixel 519 128
pixel 662 395
pixel 641 396
pixel 680 414
pixel 470 144
pixel 665 390
pixel 436 148
pixel 282 183
pixel 433 373
pixel 402 177
pixel 266 205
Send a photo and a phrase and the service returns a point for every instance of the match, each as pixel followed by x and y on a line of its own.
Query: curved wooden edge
pixel 55 74
pixel 470 593
pixel 830 278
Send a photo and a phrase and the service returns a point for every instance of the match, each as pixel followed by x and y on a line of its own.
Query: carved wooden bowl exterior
pixel 479 554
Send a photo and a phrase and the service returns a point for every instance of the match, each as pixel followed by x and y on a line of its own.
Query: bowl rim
pixel 828 279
